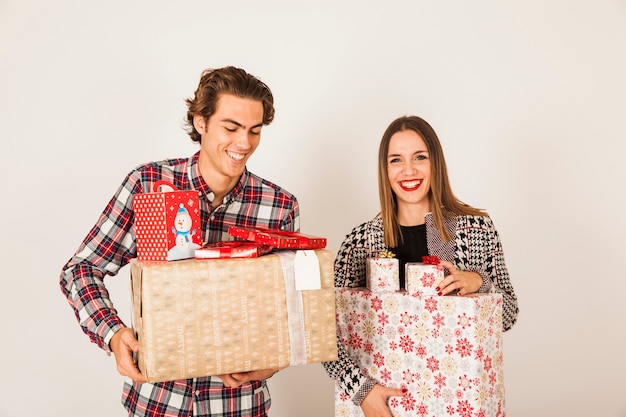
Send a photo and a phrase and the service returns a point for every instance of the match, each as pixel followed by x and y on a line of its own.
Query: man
pixel 225 117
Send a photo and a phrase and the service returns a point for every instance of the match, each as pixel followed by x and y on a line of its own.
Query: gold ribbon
pixel 386 254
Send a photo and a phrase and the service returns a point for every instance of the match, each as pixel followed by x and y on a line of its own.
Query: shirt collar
pixel 198 183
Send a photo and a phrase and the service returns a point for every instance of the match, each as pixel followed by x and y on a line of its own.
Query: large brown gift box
pixel 197 318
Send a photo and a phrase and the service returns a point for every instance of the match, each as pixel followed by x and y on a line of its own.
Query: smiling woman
pixel 420 216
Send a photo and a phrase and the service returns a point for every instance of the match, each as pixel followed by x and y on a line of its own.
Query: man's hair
pixel 443 203
pixel 227 80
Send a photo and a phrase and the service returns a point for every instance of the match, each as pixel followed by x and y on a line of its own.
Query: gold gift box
pixel 197 318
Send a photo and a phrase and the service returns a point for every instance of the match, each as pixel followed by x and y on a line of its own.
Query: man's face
pixel 229 137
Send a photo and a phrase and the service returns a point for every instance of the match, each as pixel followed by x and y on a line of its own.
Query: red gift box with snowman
pixel 167 223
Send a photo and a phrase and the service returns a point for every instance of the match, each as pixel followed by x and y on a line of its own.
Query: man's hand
pixel 238 379
pixel 375 402
pixel 124 344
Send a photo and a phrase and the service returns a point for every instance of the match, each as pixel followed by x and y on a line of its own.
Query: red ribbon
pixel 430 260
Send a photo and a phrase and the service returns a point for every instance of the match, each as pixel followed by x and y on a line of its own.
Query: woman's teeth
pixel 410 184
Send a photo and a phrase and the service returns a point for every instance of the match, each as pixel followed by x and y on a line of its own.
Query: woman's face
pixel 408 168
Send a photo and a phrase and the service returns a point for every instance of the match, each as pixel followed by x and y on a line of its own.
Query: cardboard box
pixel 446 350
pixel 197 318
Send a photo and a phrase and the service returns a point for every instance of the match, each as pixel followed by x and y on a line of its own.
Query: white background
pixel 528 98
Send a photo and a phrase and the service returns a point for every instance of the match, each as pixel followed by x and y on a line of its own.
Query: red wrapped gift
pixel 167 223
pixel 279 239
pixel 232 250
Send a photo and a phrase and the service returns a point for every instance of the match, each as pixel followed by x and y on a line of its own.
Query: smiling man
pixel 225 118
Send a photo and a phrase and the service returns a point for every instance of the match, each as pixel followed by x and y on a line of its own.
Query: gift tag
pixel 306 268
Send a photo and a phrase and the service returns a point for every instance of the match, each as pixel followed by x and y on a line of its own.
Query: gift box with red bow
pixel 422 278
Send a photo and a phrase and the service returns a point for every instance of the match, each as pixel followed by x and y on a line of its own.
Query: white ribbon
pixel 295 310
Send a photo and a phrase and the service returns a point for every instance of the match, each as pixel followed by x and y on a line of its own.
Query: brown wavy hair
pixel 443 203
pixel 226 80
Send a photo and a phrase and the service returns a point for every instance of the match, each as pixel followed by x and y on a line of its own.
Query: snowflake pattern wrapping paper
pixel 446 350
pixel 422 279
pixel 382 274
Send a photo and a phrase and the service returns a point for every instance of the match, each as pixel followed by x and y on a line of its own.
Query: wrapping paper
pixel 279 239
pixel 422 279
pixel 196 318
pixel 382 274
pixel 447 351
pixel 232 250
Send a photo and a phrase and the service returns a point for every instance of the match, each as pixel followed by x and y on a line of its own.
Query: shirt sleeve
pixel 292 221
pixel 108 247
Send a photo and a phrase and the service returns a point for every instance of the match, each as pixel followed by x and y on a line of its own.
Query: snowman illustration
pixel 182 230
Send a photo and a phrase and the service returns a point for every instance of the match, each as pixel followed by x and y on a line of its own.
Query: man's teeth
pixel 237 156
pixel 411 184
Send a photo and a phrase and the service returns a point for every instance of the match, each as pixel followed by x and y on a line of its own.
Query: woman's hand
pixel 375 402
pixel 465 282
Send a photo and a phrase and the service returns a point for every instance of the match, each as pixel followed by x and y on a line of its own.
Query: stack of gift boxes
pixel 234 306
pixel 237 306
pixel 445 350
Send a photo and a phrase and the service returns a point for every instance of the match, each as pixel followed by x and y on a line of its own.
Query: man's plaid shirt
pixel 110 245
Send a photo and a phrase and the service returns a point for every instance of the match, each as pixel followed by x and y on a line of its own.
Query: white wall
pixel 528 98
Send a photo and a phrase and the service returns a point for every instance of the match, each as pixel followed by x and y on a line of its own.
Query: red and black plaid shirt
pixel 110 245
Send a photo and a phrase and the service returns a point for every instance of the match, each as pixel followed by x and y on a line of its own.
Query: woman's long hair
pixel 443 203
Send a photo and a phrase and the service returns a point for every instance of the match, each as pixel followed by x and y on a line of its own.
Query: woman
pixel 419 216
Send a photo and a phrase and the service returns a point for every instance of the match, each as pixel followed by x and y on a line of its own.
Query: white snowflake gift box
pixel 446 350
pixel 382 273
pixel 422 278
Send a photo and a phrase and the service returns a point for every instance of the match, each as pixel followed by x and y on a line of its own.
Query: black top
pixel 411 248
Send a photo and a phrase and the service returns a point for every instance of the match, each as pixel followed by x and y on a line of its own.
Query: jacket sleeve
pixel 480 241
pixel 350 272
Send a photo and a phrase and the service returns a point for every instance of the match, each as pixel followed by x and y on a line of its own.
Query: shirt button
pixel 197 393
